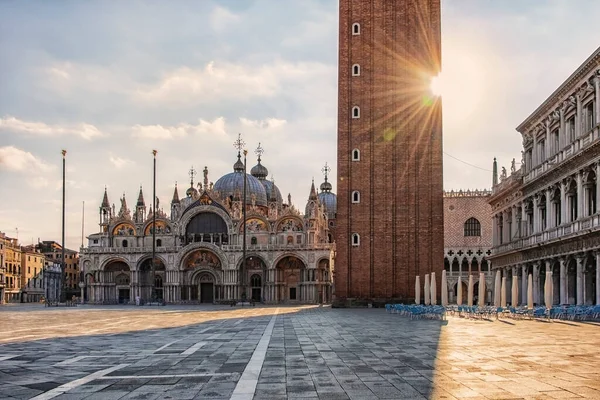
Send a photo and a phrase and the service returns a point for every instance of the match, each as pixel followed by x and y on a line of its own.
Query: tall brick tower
pixel 390 193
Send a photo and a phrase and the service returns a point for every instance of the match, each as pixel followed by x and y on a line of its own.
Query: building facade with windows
pixel 53 251
pixel 389 225
pixel 12 269
pixel 2 266
pixel 467 241
pixel 32 267
pixel 545 214
pixel 200 245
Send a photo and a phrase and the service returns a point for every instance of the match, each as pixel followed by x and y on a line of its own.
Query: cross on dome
pixel 326 170
pixel 259 151
pixel 192 173
pixel 239 143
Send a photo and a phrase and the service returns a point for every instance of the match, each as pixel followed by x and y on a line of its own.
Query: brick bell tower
pixel 390 219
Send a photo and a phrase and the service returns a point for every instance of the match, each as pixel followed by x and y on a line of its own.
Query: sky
pixel 110 81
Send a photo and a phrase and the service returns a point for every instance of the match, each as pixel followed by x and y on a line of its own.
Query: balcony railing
pixel 574 148
pixel 171 249
pixel 560 232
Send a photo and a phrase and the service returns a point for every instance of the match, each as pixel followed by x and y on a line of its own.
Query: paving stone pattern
pixel 288 353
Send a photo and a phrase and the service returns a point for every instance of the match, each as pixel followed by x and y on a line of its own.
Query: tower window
pixel 356 70
pixel 355 155
pixel 356 28
pixel 355 239
pixel 472 227
pixel 356 112
pixel 356 196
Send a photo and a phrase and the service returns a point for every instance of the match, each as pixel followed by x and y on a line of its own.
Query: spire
pixel 140 200
pixel 259 171
pixel 105 202
pixel 239 145
pixel 495 173
pixel 313 192
pixel 175 195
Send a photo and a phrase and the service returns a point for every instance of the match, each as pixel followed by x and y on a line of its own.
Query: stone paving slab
pixel 305 352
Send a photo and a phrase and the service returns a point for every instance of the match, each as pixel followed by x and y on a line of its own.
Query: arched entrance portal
pixel 290 272
pixel 252 274
pixel 206 287
pixel 256 287
pixel 203 277
pixel 117 280
pixel 147 280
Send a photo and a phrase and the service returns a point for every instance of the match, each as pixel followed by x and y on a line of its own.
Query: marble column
pixel 523 284
pixel 579 300
pixel 563 282
pixel 580 194
pixel 536 282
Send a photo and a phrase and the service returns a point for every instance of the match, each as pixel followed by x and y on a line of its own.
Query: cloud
pixel 268 123
pixel 119 162
pixel 13 159
pixel 222 19
pixel 216 127
pixel 83 130
pixel 223 80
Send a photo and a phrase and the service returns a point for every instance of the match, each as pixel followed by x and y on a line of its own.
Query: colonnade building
pixel 545 214
pixel 199 246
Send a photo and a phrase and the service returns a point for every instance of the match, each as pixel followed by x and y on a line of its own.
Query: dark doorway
pixel 123 296
pixel 292 293
pixel 256 294
pixel 206 292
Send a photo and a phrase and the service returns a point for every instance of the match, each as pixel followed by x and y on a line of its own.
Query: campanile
pixel 390 224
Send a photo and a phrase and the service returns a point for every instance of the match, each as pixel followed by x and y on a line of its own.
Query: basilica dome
pixel 228 185
pixel 328 199
pixel 261 172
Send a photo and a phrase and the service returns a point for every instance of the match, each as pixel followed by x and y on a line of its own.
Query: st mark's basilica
pixel 199 246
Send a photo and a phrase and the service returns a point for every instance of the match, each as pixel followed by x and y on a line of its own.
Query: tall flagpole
pixel 153 298
pixel 81 271
pixel 63 293
pixel 244 234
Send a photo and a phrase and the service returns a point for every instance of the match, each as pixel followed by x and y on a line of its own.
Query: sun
pixel 437 85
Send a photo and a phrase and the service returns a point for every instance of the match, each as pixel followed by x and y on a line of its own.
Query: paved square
pixel 288 352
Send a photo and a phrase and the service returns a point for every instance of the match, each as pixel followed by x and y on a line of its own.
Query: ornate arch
pixel 187 217
pixel 255 220
pixel 112 259
pixel 123 227
pixel 193 274
pixel 160 223
pixel 323 258
pixel 289 223
pixel 287 254
pixel 145 257
pixel 238 263
pixel 190 248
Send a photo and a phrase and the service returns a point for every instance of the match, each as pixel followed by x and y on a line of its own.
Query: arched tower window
pixel 356 28
pixel 356 196
pixel 356 112
pixel 356 70
pixel 355 239
pixel 356 155
pixel 472 227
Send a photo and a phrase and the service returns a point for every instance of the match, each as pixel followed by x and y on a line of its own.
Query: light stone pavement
pixel 216 352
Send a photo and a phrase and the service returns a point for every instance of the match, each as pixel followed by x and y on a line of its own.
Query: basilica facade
pixel 199 245
pixel 546 217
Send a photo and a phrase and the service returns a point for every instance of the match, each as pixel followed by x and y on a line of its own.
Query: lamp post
pixel 63 292
pixel 153 296
pixel 244 232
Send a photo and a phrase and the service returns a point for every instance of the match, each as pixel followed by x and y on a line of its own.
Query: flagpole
pixel 153 298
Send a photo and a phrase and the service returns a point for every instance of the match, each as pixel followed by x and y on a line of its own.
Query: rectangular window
pixel 556 140
pixel 589 116
pixel 542 146
pixel 571 129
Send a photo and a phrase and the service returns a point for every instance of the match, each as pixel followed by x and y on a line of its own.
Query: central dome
pixel 229 184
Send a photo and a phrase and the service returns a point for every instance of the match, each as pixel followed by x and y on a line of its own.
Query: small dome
pixel 259 171
pixel 229 184
pixel 190 192
pixel 326 186
pixel 329 200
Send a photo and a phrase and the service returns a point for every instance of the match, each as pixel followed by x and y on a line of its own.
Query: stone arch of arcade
pixel 144 280
pixel 290 277
pixel 201 272
pixel 255 266
pixel 111 283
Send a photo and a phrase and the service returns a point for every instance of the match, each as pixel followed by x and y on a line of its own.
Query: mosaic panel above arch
pixel 290 225
pixel 124 229
pixel 161 228
pixel 255 225
pixel 202 258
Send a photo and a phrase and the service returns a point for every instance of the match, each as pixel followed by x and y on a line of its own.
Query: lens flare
pixel 437 85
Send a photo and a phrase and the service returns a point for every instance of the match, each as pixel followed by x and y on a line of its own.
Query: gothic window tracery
pixel 472 227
